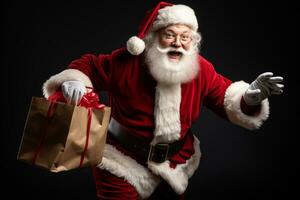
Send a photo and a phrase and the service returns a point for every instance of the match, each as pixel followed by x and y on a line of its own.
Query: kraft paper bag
pixel 60 137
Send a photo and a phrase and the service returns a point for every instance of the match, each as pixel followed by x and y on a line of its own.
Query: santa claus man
pixel 157 86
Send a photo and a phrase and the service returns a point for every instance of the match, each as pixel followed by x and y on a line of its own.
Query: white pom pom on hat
pixel 135 45
pixel 162 15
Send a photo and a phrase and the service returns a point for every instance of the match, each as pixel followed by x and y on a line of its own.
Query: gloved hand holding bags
pixel 59 136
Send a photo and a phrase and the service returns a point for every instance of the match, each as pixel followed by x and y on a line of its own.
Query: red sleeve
pixel 97 68
pixel 214 86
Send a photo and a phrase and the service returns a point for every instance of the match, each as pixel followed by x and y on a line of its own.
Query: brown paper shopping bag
pixel 60 137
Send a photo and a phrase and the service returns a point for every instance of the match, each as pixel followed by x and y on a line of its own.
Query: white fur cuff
pixel 232 104
pixel 51 85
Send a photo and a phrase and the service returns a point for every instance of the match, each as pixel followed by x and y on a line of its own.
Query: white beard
pixel 169 75
pixel 168 72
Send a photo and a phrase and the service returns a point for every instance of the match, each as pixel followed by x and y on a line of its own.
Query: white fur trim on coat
pixel 53 83
pixel 137 175
pixel 232 104
pixel 178 177
pixel 144 180
pixel 167 113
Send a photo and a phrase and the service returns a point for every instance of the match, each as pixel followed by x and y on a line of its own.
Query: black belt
pixel 140 147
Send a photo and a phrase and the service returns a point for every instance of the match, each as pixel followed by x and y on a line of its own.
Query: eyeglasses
pixel 183 38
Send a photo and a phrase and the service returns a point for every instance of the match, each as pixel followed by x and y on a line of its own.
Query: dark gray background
pixel 242 39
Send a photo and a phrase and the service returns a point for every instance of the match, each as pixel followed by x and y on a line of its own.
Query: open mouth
pixel 174 55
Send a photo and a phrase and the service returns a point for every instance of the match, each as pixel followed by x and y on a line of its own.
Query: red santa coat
pixel 132 90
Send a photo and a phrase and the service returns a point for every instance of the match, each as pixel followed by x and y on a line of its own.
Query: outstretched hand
pixel 263 87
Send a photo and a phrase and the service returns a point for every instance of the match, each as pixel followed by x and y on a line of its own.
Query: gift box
pixel 59 136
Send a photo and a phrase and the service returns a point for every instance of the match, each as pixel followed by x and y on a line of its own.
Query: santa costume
pixel 155 111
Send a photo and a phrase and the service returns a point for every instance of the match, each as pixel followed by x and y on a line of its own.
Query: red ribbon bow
pixel 89 100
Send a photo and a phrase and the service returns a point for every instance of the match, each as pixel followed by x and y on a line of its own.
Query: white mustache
pixel 168 49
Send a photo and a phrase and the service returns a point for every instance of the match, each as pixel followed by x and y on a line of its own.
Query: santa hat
pixel 163 15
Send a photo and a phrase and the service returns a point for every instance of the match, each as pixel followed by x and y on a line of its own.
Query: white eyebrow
pixel 169 30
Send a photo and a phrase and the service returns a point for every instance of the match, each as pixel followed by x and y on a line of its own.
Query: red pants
pixel 111 187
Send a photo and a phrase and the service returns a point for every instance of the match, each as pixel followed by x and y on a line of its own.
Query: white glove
pixel 264 86
pixel 73 91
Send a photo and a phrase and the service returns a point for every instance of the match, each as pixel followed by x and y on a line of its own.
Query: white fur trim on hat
pixel 177 14
pixel 135 45
pixel 232 104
